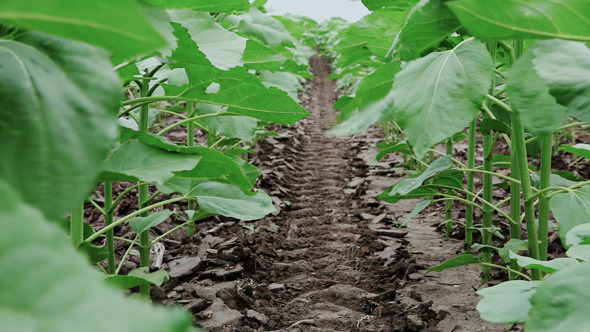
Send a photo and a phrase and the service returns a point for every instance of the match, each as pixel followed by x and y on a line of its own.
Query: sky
pixel 319 10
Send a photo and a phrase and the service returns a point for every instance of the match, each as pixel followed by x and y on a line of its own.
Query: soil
pixel 331 258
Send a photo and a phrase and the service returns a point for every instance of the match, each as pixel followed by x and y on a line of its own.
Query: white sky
pixel 319 10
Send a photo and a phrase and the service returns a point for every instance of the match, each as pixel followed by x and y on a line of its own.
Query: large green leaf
pixel 373 101
pixel 53 289
pixel 223 48
pixel 59 132
pixel 236 88
pixel 429 24
pixel 285 81
pixel 507 302
pixel 378 4
pixel 228 200
pixel 407 185
pixel 565 67
pixel 539 111
pixel 215 6
pixel 136 161
pixel 242 127
pixel 516 19
pixel 264 28
pixel 562 302
pixel 440 94
pixel 258 56
pixel 117 25
pixel 546 266
pixel 140 224
pixel 571 209
pixel 134 278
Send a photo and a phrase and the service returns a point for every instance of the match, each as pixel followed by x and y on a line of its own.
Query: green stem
pixel 511 270
pixel 546 152
pixel 144 237
pixel 470 184
pixel 449 204
pixel 190 141
pixel 126 254
pixel 108 219
pixel 529 208
pixel 189 121
pixel 77 225
pixel 515 201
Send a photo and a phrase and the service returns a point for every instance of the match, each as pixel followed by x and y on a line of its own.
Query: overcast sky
pixel 319 10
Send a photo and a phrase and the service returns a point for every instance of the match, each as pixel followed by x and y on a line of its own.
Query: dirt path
pixel 330 259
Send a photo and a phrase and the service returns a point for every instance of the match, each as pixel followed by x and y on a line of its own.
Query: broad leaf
pixel 117 25
pixel 140 224
pixel 264 28
pixel 135 161
pixel 223 48
pixel 429 24
pixel 578 235
pixel 258 56
pixel 539 111
pixel 465 259
pixel 581 252
pixel 230 201
pixel 416 211
pixel 440 94
pixel 52 288
pixel 570 209
pixel 507 302
pixel 407 185
pixel 546 266
pixel 378 4
pixel 579 149
pixel 373 101
pixel 236 88
pixel 56 132
pixel 138 277
pixel 562 301
pixel 515 19
pixel 285 81
pixel 565 67
pixel 215 6
pixel 242 127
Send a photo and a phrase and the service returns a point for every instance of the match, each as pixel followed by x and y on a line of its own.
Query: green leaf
pixel 488 124
pixel 546 266
pixel 223 48
pixel 539 111
pixel 116 25
pixel 514 19
pixel 285 81
pixel 565 67
pixel 242 127
pixel 373 101
pixel 140 224
pixel 578 235
pixel 230 201
pixel 265 28
pixel 260 57
pixel 95 254
pixel 138 277
pixel 236 88
pixel 378 4
pixel 513 245
pixel 507 302
pixel 407 185
pixel 581 252
pixel 580 149
pixel 416 211
pixel 52 288
pixel 570 209
pixel 562 301
pixel 439 95
pixel 429 24
pixel 215 6
pixel 136 161
pixel 56 132
pixel 465 259
pixel 401 147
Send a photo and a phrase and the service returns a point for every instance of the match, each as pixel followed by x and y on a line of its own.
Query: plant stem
pixel 488 185
pixel 190 141
pixel 449 204
pixel 546 152
pixel 470 184
pixel 529 208
pixel 77 225
pixel 108 219
pixel 144 237
pixel 515 201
